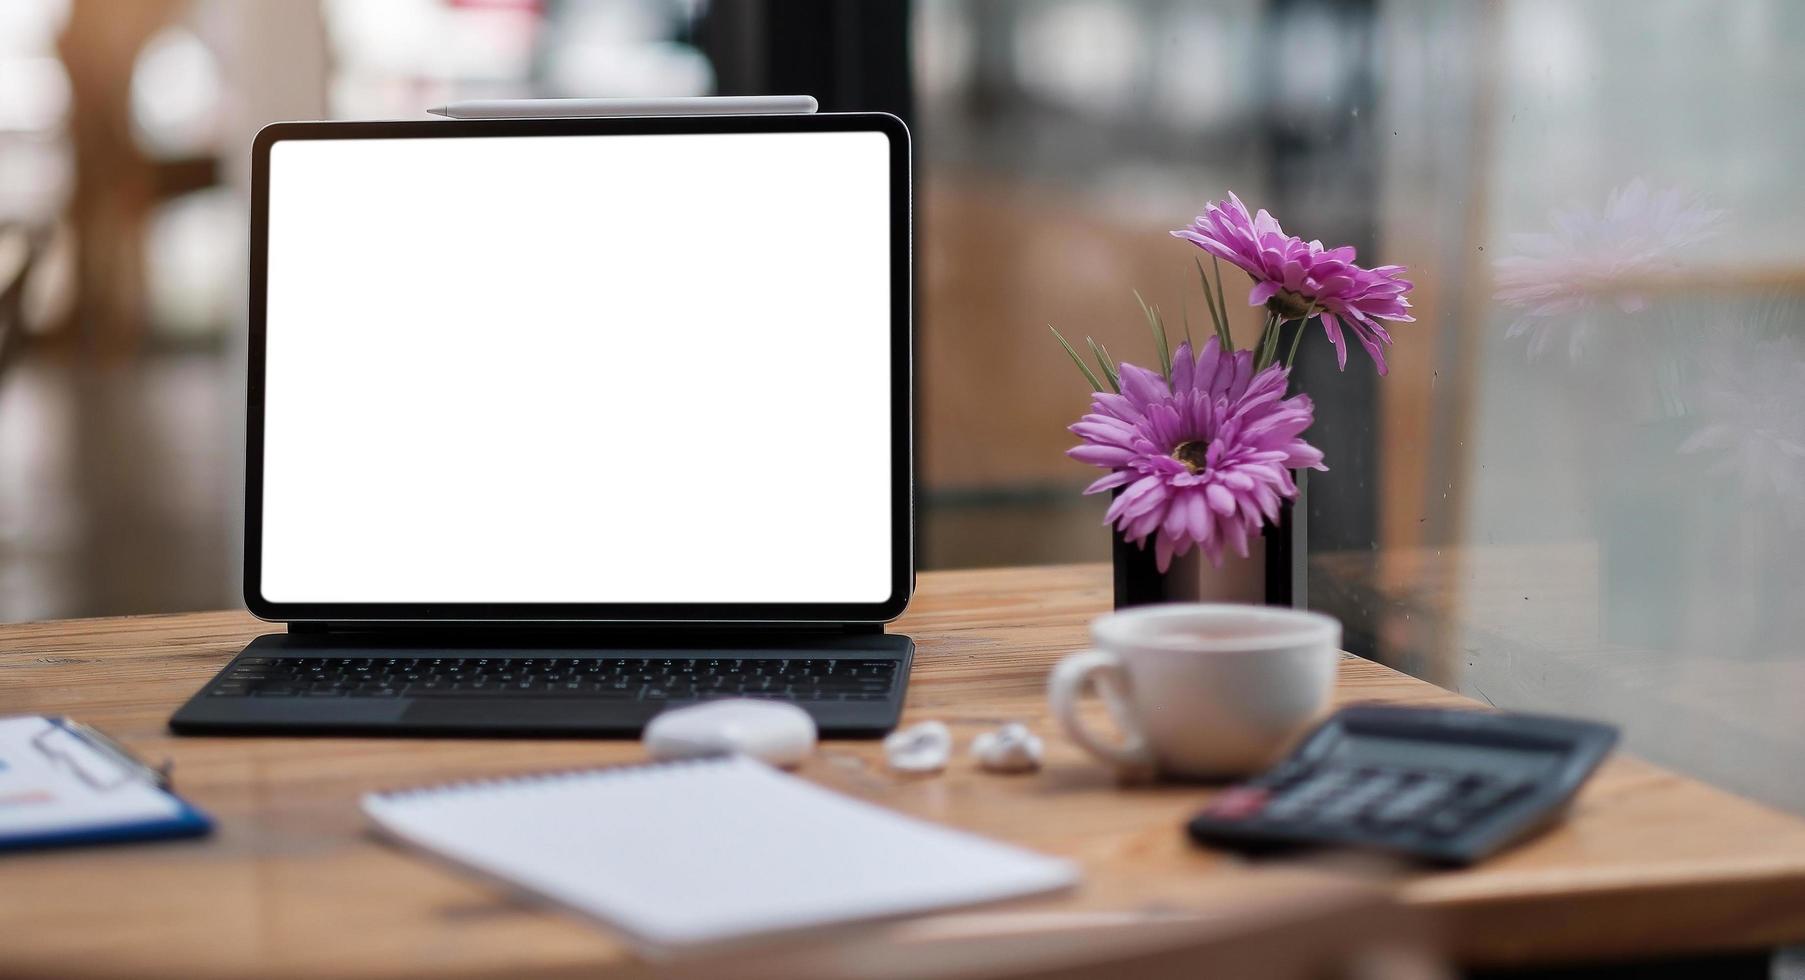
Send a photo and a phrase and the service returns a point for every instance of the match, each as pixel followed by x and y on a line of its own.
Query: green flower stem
pixel 1302 325
pixel 1222 299
pixel 1266 348
pixel 1162 348
pixel 1209 299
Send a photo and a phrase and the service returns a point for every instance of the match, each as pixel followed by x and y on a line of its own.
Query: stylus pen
pixel 722 105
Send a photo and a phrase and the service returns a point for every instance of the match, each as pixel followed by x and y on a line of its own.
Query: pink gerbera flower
pixel 1205 460
pixel 1567 280
pixel 1292 277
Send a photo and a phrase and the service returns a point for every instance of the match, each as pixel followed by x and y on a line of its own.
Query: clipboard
pixel 64 784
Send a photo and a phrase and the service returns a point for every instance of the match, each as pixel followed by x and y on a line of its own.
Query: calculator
pixel 1447 786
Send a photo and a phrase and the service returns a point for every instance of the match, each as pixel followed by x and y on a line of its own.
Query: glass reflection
pixel 1582 486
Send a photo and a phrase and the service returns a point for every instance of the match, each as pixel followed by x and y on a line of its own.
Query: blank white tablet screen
pixel 579 369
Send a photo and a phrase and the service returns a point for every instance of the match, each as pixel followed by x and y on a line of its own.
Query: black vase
pixel 1272 574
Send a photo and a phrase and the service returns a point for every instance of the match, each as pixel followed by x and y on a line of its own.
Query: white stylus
pixel 721 105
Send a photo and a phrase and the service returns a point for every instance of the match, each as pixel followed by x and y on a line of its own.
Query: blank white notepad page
pixel 697 853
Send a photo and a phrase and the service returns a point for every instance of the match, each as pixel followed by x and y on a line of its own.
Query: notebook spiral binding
pixel 551 776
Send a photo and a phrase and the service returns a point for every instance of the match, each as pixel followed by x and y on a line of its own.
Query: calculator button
pixel 1492 797
pixel 1322 785
pixel 1285 810
pixel 1237 803
pixel 1364 794
pixel 1303 800
pixel 1285 776
pixel 1413 802
pixel 1446 823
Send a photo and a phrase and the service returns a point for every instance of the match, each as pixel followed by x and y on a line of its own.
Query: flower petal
pixel 1332 326
pixel 1110 481
pixel 1107 456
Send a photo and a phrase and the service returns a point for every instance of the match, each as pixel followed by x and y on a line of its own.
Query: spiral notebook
pixel 698 854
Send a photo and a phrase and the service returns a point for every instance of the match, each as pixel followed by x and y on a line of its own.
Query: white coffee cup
pixel 1201 691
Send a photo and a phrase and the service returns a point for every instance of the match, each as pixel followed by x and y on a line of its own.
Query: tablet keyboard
pixel 594 678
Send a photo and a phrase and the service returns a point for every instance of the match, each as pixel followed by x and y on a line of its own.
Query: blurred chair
pixel 117 185
pixel 18 251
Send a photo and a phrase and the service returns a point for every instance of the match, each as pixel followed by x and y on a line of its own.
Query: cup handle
pixel 1067 686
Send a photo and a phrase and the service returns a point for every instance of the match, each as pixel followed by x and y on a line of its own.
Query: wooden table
pixel 1650 864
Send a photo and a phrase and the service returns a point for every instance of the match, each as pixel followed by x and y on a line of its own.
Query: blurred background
pixel 1581 488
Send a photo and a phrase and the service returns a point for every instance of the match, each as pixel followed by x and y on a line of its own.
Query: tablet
pixel 572 370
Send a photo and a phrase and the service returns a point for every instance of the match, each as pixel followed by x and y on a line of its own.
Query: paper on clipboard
pixel 53 780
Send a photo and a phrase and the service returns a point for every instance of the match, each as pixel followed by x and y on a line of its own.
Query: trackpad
pixel 531 714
